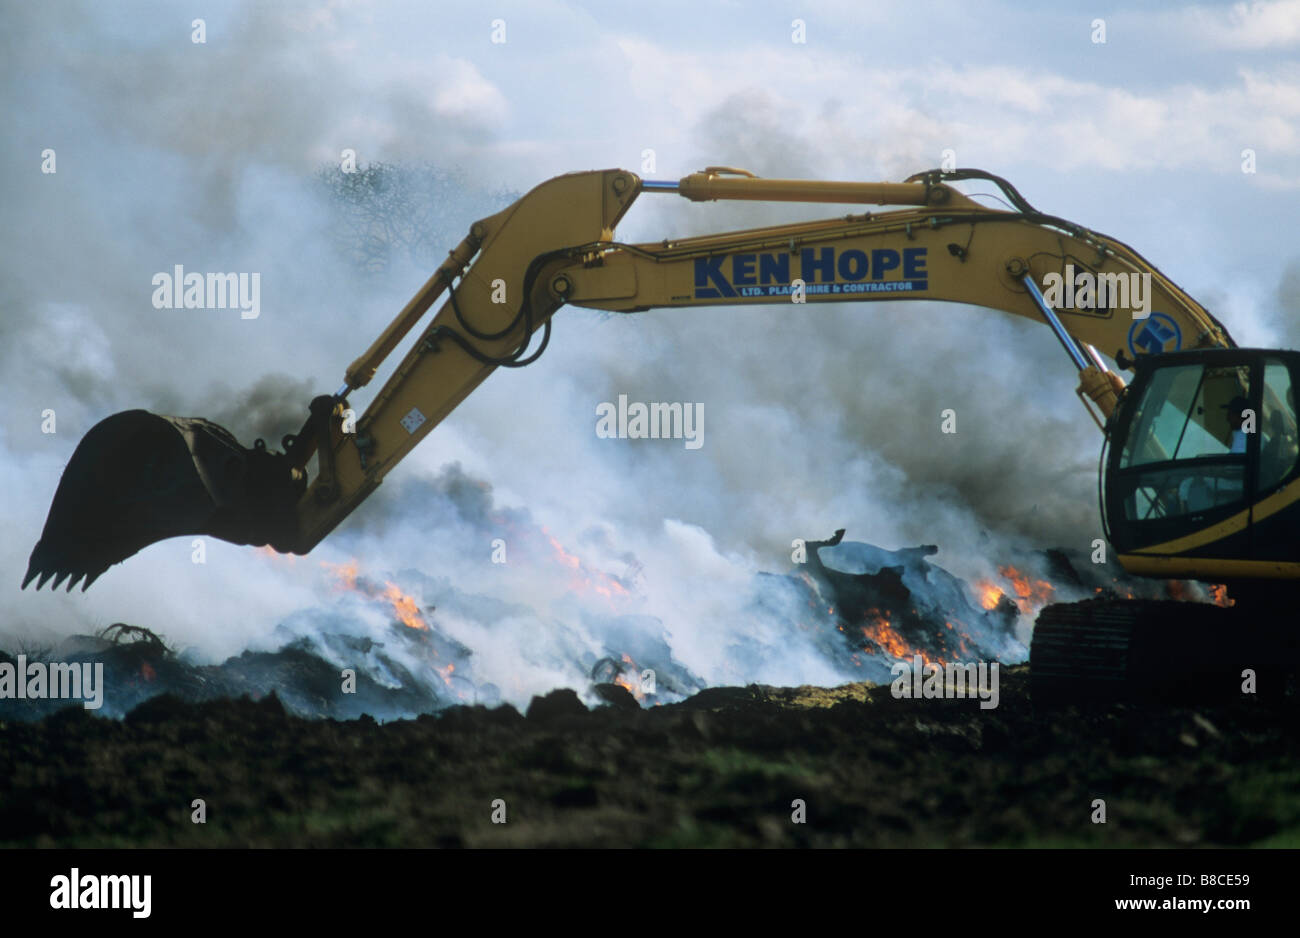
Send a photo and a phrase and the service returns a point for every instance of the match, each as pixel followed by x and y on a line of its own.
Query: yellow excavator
pixel 1199 472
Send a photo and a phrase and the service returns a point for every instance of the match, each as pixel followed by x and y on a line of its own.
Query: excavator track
pixel 1128 649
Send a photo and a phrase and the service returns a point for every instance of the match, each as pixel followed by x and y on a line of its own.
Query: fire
pixel 882 633
pixel 345 574
pixel 1219 592
pixel 405 609
pixel 989 595
pixel 584 580
pixel 1031 595
pixel 959 630
pixel 267 550
pixel 631 684
pixel 569 560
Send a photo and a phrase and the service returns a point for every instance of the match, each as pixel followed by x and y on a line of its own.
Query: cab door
pixel 1275 510
pixel 1181 476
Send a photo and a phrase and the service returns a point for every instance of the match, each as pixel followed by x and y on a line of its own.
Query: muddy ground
pixel 719 769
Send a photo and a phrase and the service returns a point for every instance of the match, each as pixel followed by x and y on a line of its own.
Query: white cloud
pixel 463 92
pixel 1259 25
pixel 1002 114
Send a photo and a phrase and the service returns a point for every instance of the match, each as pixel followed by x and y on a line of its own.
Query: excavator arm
pixel 556 246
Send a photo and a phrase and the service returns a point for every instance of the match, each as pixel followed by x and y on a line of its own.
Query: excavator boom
pixel 138 478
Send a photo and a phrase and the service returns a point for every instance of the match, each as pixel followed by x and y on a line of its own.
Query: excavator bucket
pixel 137 478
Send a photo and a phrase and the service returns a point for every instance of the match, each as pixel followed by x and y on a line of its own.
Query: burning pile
pixel 423 628
pixel 867 608
pixel 408 640
pixel 1029 594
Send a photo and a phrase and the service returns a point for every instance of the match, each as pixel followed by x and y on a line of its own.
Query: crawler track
pixel 1142 650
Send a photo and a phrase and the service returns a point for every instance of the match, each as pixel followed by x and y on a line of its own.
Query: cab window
pixel 1279 446
pixel 1189 429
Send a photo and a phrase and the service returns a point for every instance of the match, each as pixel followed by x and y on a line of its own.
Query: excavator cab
pixel 1202 469
pixel 1201 481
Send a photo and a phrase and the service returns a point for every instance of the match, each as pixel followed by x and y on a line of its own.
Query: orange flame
pixel 989 595
pixel 881 632
pixel 1219 592
pixel 405 609
pixel 1031 595
pixel 569 560
pixel 345 574
pixel 268 551
pixel 582 579
pixel 631 684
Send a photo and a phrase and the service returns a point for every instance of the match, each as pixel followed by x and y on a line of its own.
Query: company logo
pixel 1153 335
pixel 823 270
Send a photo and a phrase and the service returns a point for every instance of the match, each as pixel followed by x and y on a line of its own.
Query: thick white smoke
pixel 170 153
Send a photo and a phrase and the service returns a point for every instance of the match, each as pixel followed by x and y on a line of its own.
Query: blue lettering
pixel 742 270
pixel 821 265
pixel 914 263
pixel 883 261
pixel 709 270
pixel 774 268
pixel 853 264
pixel 822 268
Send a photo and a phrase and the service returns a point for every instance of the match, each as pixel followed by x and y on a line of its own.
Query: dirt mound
pixel 727 767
